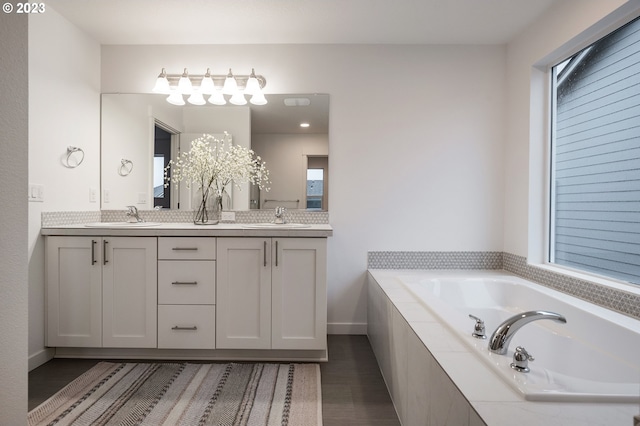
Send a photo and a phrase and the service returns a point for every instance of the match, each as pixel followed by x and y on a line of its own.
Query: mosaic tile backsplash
pixel 180 216
pixel 435 260
pixel 617 300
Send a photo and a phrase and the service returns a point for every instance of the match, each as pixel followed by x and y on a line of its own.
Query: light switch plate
pixel 93 195
pixel 36 192
pixel 228 216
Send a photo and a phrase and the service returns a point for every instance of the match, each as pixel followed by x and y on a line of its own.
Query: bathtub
pixel 594 357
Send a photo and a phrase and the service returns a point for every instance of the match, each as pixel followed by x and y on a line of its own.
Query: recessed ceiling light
pixel 297 101
pixel 304 124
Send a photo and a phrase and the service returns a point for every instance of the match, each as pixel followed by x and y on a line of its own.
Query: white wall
pixel 64 109
pixel 13 226
pixel 415 141
pixel 526 125
pixel 286 158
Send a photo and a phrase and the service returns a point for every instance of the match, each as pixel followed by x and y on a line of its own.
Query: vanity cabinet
pixel 271 293
pixel 186 293
pixel 101 291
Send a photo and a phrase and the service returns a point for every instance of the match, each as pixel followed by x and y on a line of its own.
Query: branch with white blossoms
pixel 215 163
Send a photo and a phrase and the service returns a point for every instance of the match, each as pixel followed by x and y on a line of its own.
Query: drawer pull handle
pixel 176 327
pixel 185 249
pixel 185 283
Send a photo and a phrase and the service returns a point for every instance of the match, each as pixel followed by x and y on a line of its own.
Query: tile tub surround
pixel 434 379
pixel 51 219
pixel 624 302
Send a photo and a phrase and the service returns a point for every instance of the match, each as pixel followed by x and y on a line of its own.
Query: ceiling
pixel 276 117
pixel 301 21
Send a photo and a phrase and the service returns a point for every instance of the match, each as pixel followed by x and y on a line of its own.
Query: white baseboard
pixel 40 357
pixel 346 328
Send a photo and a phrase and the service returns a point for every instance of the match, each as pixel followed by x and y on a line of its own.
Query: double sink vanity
pixel 178 290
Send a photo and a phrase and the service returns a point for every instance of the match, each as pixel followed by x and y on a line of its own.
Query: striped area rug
pixel 187 394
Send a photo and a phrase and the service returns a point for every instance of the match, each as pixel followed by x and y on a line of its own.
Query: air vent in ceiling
pixel 297 101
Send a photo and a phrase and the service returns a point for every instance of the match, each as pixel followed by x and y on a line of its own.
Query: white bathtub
pixel 594 357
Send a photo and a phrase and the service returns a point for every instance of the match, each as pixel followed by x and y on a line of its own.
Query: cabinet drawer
pixel 186 327
pixel 187 248
pixel 182 282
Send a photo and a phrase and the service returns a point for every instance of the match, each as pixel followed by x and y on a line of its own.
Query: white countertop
pixel 185 229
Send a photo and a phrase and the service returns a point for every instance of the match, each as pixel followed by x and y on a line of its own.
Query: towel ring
pixel 70 151
pixel 126 167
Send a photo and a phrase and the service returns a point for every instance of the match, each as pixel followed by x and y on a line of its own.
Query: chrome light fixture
pixel 162 84
pixel 206 85
pixel 220 89
pixel 230 84
pixel 253 85
pixel 184 84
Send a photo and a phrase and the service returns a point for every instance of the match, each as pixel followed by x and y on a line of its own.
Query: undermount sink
pixel 121 224
pixel 270 225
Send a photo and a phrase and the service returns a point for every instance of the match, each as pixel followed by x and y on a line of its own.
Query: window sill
pixel 581 275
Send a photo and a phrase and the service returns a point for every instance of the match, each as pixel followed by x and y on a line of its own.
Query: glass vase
pixel 207 207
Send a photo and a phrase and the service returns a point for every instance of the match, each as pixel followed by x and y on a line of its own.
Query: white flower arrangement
pixel 214 163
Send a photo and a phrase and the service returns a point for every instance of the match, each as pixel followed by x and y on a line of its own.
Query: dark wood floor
pixel 353 391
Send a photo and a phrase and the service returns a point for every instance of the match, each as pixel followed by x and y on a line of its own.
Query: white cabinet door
pixel 73 291
pixel 299 293
pixel 271 293
pixel 243 300
pixel 129 292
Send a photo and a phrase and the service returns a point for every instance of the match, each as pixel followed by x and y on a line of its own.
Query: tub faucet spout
pixel 499 342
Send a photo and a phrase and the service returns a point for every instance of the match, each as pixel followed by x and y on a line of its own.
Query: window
pixel 595 158
pixel 315 188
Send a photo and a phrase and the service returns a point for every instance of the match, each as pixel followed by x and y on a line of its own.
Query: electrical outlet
pixel 142 198
pixel 93 195
pixel 106 196
pixel 228 216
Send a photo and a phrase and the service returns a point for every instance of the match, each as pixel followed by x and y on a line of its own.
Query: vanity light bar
pixel 196 86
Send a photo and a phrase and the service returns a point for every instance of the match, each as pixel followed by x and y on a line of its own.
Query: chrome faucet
pixel 132 215
pixel 279 213
pixel 499 341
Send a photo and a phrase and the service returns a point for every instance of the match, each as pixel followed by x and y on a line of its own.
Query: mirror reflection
pixel 290 133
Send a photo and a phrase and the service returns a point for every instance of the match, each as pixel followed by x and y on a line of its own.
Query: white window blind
pixel 595 190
